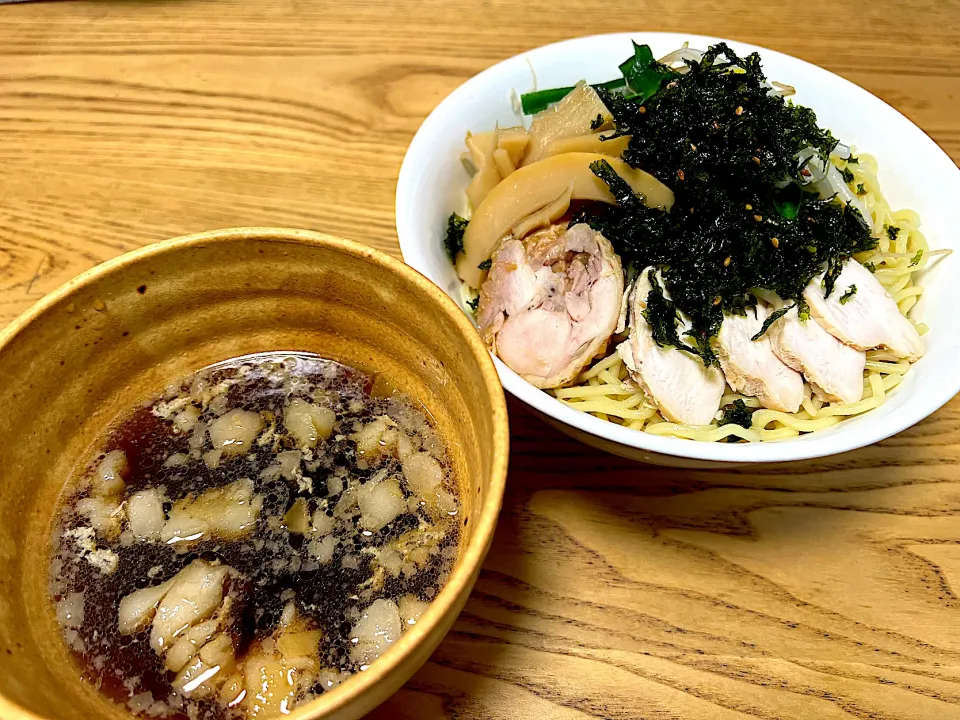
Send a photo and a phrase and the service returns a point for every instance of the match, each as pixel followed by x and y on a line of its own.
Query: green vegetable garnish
pixel 534 102
pixel 737 414
pixel 853 160
pixel 787 202
pixel 597 122
pixel 642 77
pixel 851 291
pixel 453 242
pixel 485 265
pixel 861 190
pixel 870 266
pixel 892 232
pixel 915 260
pixel 474 303
pixel 847 175
pixel 643 74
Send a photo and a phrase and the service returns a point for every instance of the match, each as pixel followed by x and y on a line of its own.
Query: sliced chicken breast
pixel 684 390
pixel 868 318
pixel 751 367
pixel 834 370
pixel 551 302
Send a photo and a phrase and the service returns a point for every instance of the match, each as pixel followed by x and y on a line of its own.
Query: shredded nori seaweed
pixel 771 319
pixel 737 414
pixel 726 147
pixel 453 241
pixel 661 315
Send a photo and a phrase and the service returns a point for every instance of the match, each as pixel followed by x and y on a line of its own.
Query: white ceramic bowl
pixel 914 173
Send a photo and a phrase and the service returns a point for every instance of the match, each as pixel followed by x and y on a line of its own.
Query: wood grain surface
pixel 826 589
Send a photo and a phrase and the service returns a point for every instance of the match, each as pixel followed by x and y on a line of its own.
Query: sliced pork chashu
pixel 868 317
pixel 833 369
pixel 751 367
pixel 684 390
pixel 551 302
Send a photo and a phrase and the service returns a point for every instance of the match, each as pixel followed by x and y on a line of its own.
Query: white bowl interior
pixel 914 173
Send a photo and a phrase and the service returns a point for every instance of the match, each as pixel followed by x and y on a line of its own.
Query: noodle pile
pixel 606 390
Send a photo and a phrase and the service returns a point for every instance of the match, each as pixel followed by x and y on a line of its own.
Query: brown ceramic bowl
pixel 117 334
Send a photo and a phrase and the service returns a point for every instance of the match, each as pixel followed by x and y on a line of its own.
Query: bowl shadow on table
pixel 588 540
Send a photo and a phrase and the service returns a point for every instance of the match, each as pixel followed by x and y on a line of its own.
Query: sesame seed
pixel 716 300
pixel 758 218
pixel 693 147
pixel 775 242
pixel 748 206
pixel 755 159
pixel 641 110
pixel 739 110
pixel 727 261
pixel 680 174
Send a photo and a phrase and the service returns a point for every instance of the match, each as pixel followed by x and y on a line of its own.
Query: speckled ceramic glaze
pixel 117 334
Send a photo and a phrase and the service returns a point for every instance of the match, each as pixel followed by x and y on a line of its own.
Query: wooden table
pixel 824 590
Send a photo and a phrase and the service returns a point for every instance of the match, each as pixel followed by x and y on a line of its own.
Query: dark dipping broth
pixel 247 541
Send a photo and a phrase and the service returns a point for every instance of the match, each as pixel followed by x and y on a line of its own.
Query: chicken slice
pixel 376 630
pixel 206 672
pixel 229 512
pixel 196 594
pixel 751 367
pixel 551 302
pixel 834 370
pixel 868 318
pixel 275 673
pixel 684 390
pixel 137 609
pixel 190 615
pixel 145 513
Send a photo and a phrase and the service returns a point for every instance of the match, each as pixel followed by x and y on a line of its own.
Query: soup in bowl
pixel 238 482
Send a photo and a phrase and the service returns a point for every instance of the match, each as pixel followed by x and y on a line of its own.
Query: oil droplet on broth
pixel 250 538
